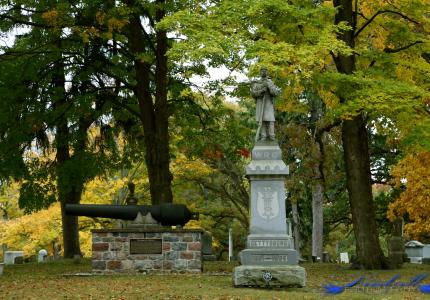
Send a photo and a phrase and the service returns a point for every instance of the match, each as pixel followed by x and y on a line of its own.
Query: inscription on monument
pixel 266 155
pixel 268 243
pixel 146 246
pixel 268 258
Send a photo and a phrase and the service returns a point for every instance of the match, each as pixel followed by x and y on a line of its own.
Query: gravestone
pixel 42 255
pixel 10 256
pixel 344 258
pixel 207 254
pixel 269 258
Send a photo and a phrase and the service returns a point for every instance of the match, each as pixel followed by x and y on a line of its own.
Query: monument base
pixel 145 250
pixel 268 257
pixel 269 276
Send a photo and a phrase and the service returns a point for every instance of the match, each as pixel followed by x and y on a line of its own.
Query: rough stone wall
pixel 181 252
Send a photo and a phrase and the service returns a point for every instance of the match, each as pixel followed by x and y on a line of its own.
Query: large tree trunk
pixel 356 155
pixel 66 191
pixel 357 162
pixel 154 114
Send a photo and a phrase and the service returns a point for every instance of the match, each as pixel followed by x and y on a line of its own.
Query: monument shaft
pixel 270 257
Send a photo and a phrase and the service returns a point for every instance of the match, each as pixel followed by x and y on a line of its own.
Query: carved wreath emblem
pixel 267 276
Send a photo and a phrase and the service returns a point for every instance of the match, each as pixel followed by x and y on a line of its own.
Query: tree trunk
pixel 318 185
pixel 356 155
pixel 296 232
pixel 317 218
pixel 66 192
pixel 357 161
pixel 154 114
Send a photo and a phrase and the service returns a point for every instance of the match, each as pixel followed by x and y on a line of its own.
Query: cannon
pixel 165 214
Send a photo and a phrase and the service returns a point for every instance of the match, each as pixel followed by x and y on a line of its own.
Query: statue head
pixel 263 72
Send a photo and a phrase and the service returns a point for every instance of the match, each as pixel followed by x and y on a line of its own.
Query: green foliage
pixel 34 196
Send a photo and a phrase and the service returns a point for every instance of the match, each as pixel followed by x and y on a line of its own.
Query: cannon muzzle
pixel 166 214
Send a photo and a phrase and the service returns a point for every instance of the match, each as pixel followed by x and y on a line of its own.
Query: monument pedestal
pixel 270 258
pixel 277 276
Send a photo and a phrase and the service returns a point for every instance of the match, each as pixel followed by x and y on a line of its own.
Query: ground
pixel 58 280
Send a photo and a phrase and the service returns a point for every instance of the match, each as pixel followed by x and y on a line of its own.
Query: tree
pixel 358 74
pixel 60 96
pixel 411 176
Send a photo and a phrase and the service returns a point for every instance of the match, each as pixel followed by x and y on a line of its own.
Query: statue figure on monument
pixel 264 91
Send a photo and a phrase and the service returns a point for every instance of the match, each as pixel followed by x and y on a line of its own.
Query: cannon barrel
pixel 166 214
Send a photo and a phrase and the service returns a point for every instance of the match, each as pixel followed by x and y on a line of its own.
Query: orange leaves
pixel 212 154
pixel 244 152
pixel 413 172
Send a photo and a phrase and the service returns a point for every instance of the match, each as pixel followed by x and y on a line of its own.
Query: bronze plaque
pixel 145 246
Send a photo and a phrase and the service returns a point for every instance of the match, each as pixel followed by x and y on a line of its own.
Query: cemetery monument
pixel 269 258
pixel 146 242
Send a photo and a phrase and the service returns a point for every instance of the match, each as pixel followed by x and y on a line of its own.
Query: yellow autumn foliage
pixel 32 232
pixel 414 173
pixel 182 165
pixel 36 231
pixel 51 17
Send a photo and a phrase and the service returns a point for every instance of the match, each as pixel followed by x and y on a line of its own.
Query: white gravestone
pixel 9 256
pixel 42 255
pixel 344 257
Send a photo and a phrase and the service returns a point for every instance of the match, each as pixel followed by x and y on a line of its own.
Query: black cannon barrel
pixel 166 214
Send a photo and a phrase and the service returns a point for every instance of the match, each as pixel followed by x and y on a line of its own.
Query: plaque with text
pixel 145 246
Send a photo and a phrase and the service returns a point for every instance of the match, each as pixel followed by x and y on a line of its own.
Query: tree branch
pixel 395 50
pixel 383 12
pixel 23 22
pixel 114 100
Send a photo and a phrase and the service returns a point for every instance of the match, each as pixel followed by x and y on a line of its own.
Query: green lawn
pixel 54 280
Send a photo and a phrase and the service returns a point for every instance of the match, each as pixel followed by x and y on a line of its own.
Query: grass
pixel 53 280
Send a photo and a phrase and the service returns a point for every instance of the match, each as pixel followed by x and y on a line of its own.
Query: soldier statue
pixel 264 91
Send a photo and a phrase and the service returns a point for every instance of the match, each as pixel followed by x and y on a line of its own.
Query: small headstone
pixel 344 257
pixel 230 245
pixel 1 268
pixel 326 257
pixel 42 255
pixel 207 254
pixel 396 251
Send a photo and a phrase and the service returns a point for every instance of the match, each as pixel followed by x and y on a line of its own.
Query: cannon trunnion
pixel 166 214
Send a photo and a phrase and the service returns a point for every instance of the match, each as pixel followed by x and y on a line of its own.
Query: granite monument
pixel 269 258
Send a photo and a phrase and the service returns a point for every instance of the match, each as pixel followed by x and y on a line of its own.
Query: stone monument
pixel 269 258
pixel 145 242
